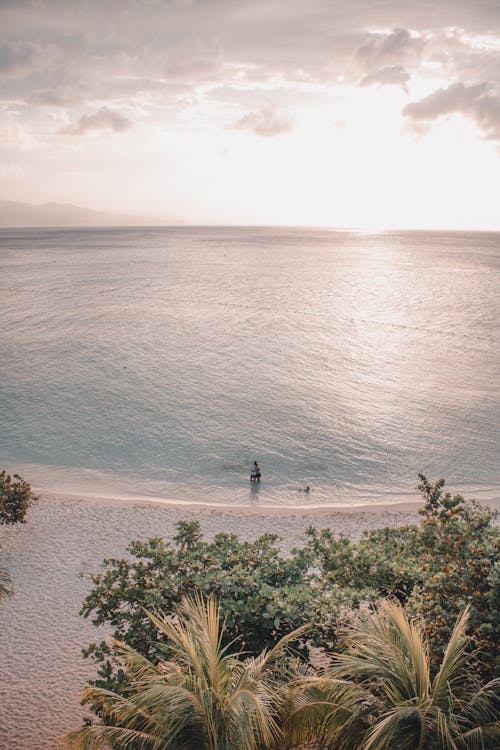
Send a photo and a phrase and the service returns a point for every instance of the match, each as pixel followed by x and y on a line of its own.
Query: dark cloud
pixel 395 45
pixel 479 102
pixel 395 75
pixel 18 58
pixel 266 122
pixel 103 119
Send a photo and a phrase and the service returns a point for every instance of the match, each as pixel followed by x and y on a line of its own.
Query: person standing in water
pixel 255 473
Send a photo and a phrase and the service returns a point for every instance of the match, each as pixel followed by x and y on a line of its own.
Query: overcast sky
pixel 360 113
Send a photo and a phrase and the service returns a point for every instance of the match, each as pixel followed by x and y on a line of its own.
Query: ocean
pixel 161 362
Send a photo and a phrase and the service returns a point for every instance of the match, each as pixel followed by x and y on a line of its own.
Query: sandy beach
pixel 41 632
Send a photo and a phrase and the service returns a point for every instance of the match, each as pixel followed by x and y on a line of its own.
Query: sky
pixel 361 113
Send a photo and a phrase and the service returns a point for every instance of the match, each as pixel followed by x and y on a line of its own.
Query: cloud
pixel 19 58
pixel 390 46
pixel 479 102
pixel 487 116
pixel 103 119
pixel 467 57
pixel 454 98
pixel 267 122
pixel 59 96
pixel 150 46
pixel 394 75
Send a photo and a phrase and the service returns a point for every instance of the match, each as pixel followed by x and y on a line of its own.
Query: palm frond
pixel 6 588
pixel 276 652
pixel 451 668
pixel 480 716
pixel 402 726
pixel 328 710
pixel 388 660
pixel 385 646
pixel 96 737
pixel 201 695
pixel 196 638
pixel 139 667
pixel 446 730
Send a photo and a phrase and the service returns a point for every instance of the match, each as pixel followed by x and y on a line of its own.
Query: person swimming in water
pixel 255 474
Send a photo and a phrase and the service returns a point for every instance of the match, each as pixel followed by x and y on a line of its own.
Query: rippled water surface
pixel 163 362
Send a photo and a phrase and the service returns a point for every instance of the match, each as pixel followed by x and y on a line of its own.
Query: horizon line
pixel 217 225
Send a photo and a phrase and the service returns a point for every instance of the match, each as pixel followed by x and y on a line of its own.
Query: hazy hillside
pixel 13 214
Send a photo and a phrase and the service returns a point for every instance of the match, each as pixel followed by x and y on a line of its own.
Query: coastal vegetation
pixel 16 496
pixel 390 642
pixel 436 568
pixel 198 693
pixel 376 694
pixel 379 692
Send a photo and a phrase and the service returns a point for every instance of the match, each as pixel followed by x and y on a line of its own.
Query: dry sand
pixel 41 633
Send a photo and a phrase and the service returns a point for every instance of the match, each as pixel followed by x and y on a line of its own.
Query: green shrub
pixel 262 594
pixel 16 497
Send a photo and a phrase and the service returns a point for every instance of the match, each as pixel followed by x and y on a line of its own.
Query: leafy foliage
pixel 198 695
pixel 379 693
pixel 437 568
pixel 458 549
pixel 378 566
pixel 263 594
pixel 16 497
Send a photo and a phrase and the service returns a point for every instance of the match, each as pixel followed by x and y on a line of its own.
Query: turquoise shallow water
pixel 163 362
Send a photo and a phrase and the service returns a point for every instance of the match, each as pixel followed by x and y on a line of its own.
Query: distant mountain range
pixel 14 214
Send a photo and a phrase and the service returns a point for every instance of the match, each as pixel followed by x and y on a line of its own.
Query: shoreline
pixel 238 509
pixel 104 488
pixel 401 504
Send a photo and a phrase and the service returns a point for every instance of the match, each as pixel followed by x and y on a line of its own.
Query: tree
pixel 383 564
pixel 459 551
pixel 16 497
pixel 197 695
pixel 380 695
pixel 436 567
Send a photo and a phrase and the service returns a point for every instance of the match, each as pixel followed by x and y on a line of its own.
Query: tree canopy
pixel 16 496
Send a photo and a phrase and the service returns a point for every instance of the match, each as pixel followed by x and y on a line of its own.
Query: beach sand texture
pixel 41 633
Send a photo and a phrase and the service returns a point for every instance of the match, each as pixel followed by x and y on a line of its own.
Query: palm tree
pixel 379 694
pixel 5 585
pixel 200 696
